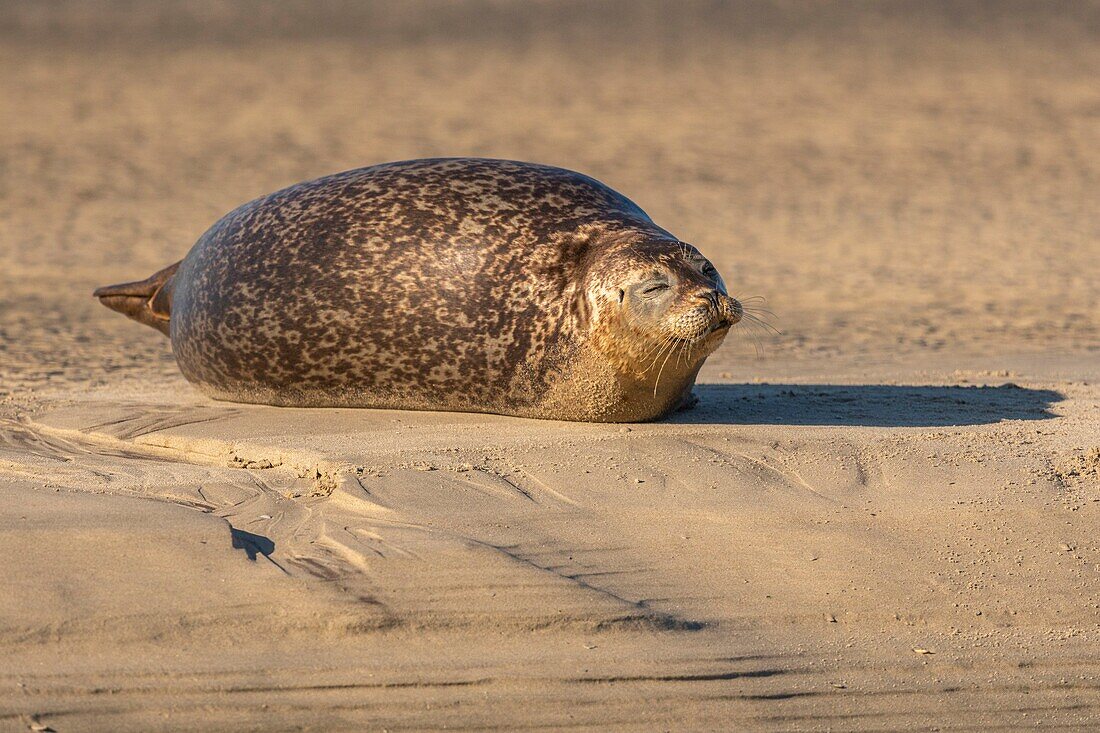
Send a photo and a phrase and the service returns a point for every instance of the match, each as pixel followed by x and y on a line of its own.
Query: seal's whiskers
pixel 757 320
pixel 662 369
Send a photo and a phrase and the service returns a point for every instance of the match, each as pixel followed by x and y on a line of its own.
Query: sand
pixel 883 518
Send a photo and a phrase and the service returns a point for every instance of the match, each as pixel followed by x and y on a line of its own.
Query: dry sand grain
pixel 887 521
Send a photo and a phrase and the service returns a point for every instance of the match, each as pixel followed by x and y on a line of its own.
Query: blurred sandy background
pixel 913 186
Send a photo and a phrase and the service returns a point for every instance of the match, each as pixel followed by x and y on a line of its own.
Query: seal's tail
pixel 148 301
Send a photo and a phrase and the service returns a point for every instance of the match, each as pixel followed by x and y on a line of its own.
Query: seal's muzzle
pixel 717 312
pixel 729 309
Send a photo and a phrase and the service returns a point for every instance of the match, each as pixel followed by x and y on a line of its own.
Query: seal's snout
pixel 717 313
pixel 729 310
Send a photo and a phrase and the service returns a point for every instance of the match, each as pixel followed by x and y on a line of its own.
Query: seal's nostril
pixel 711 298
pixel 729 309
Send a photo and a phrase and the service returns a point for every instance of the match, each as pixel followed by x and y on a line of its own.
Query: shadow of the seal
pixel 870 405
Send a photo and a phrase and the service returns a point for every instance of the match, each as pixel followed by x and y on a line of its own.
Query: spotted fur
pixel 447 284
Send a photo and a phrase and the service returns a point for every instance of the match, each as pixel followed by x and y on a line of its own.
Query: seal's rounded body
pixel 448 284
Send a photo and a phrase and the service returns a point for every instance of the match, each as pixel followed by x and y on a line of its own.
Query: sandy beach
pixel 884 517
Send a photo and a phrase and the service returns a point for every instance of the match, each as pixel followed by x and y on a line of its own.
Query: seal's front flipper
pixel 148 301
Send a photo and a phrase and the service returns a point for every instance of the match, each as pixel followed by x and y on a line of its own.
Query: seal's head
pixel 661 307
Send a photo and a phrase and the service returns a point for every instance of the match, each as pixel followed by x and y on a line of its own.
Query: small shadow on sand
pixel 871 405
pixel 253 544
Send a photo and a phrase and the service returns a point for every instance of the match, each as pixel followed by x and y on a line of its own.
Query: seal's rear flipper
pixel 148 301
